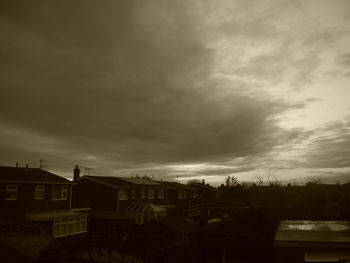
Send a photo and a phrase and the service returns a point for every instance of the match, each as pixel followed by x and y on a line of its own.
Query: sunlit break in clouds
pixel 178 90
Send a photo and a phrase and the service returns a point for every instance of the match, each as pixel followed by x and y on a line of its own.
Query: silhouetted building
pixel 37 195
pixel 121 198
pixel 36 210
pixel 206 192
pixel 180 198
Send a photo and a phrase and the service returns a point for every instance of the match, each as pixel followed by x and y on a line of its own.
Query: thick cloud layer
pixel 128 85
pixel 124 80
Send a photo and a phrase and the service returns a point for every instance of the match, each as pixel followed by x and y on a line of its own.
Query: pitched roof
pixel 29 175
pixel 177 185
pixel 143 207
pixel 121 181
pixel 205 186
pixel 138 181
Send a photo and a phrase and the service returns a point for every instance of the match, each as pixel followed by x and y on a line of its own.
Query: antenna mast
pixel 41 164
pixel 88 169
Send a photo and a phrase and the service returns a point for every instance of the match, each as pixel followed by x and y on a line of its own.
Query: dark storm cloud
pixel 124 81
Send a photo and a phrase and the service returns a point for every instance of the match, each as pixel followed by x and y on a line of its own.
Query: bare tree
pixel 259 179
pixel 273 181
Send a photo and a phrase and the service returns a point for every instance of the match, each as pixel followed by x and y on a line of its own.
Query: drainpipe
pixel 118 200
pixel 70 197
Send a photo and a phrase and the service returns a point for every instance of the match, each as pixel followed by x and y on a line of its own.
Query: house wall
pixel 123 204
pixel 206 195
pixel 25 202
pixel 87 193
pixel 97 196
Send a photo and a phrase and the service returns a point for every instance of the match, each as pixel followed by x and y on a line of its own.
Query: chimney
pixel 203 182
pixel 16 165
pixel 27 166
pixel 76 173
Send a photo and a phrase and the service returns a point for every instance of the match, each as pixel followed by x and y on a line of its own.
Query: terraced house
pixel 121 197
pixel 41 197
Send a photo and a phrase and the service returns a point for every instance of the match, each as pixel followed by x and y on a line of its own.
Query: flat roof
pixel 290 231
pixel 51 215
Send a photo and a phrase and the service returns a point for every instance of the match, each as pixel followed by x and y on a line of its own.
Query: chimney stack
pixel 76 173
pixel 203 182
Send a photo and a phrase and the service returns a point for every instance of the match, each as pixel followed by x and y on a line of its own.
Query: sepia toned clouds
pixel 142 86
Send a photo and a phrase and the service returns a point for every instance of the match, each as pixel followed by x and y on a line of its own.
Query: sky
pixel 177 90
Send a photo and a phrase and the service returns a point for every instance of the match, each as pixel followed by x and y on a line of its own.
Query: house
pixel 312 241
pixel 36 214
pixel 42 197
pixel 180 198
pixel 121 197
pixel 208 194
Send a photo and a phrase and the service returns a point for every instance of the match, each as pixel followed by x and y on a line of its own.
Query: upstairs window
pixel 150 193
pixel 161 193
pixel 143 193
pixel 39 192
pixel 11 192
pixel 180 194
pixel 133 193
pixel 123 194
pixel 59 192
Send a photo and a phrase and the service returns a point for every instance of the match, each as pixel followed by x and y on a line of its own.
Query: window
pixel 123 194
pixel 69 226
pixel 39 192
pixel 150 193
pixel 59 192
pixel 143 193
pixel 133 193
pixel 180 194
pixel 11 192
pixel 161 193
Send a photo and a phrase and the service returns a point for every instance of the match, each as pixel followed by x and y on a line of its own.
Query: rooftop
pixel 313 231
pixel 143 207
pixel 205 186
pixel 177 223
pixel 122 181
pixel 29 175
pixel 51 215
pixel 177 185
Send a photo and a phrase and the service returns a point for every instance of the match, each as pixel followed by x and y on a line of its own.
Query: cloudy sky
pixel 180 90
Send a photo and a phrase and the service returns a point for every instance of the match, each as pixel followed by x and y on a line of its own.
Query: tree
pixel 273 181
pixel 259 179
pixel 231 181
